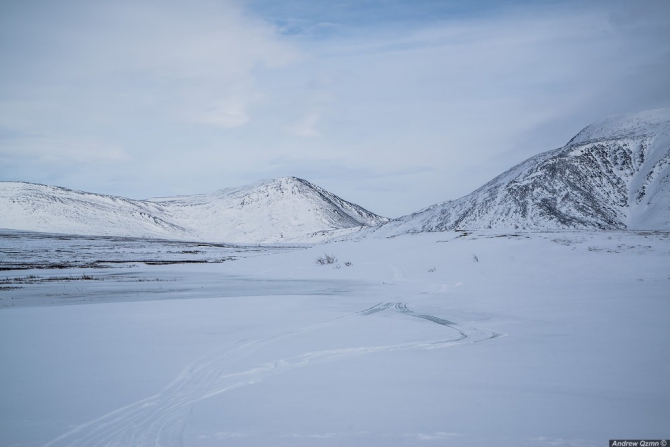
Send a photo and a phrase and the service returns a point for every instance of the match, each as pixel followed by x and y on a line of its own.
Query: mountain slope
pixel 286 209
pixel 34 207
pixel 615 174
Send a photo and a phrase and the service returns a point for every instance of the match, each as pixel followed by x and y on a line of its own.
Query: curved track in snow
pixel 160 420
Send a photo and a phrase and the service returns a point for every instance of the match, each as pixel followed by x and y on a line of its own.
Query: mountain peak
pixel 283 209
pixel 636 125
pixel 615 174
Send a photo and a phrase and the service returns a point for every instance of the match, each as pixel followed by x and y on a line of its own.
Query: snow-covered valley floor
pixel 461 339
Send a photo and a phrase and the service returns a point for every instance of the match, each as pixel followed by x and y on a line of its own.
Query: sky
pixel 391 104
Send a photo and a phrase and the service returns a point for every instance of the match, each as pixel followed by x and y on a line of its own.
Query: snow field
pixel 545 339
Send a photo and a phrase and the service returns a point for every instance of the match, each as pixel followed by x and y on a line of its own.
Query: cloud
pixel 61 151
pixel 444 92
pixel 131 59
pixel 225 117
pixel 410 103
pixel 306 127
pixel 230 112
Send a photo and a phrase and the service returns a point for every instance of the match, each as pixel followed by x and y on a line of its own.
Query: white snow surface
pixel 453 339
pixel 615 174
pixel 280 210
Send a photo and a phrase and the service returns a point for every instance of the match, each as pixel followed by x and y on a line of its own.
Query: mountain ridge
pixel 614 174
pixel 284 209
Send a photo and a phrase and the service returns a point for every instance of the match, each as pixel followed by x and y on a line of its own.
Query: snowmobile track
pixel 160 420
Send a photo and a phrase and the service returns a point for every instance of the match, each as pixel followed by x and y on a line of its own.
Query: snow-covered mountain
pixel 615 174
pixel 34 207
pixel 285 209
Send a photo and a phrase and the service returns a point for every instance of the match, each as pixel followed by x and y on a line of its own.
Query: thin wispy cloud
pixel 437 97
pixel 306 127
pixel 51 150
